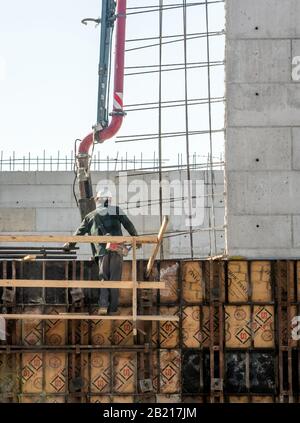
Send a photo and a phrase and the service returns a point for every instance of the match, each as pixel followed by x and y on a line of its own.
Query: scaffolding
pixel 157 358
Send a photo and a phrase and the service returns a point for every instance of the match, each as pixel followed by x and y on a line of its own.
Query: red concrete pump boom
pixel 113 14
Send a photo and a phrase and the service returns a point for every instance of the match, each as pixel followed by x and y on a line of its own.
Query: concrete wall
pixel 263 128
pixel 43 203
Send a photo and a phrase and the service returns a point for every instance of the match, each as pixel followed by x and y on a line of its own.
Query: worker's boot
pixel 102 311
pixel 77 295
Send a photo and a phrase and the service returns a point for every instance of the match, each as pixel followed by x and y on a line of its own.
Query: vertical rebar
pixel 160 118
pixel 187 141
pixel 210 129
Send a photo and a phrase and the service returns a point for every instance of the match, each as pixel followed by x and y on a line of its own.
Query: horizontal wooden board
pixel 70 316
pixel 41 283
pixel 239 399
pixel 78 239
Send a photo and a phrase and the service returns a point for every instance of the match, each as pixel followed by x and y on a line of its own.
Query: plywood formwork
pixel 232 341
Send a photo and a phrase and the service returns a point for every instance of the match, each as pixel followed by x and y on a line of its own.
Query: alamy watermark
pixel 296 68
pixel 296 328
pixel 138 197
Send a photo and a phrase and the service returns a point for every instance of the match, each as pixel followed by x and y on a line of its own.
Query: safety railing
pixel 133 284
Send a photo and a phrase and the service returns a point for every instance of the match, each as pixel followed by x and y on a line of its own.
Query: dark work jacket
pixel 102 221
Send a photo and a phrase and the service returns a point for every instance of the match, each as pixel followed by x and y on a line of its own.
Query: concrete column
pixel 262 120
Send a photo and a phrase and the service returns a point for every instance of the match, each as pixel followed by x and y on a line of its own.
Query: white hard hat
pixel 104 193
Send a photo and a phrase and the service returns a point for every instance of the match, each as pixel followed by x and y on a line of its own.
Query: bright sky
pixel 49 81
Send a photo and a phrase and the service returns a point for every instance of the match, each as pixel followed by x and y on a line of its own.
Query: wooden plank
pixel 125 297
pixel 146 239
pixel 78 316
pixel 124 365
pixel 170 371
pixel 238 327
pixel 157 246
pixel 169 274
pixel 100 372
pixel 32 373
pixel 122 330
pixel 261 281
pixel 169 331
pixel 238 399
pixel 193 282
pixel 263 326
pixel 55 366
pixel 191 324
pixel 33 283
pixel 238 281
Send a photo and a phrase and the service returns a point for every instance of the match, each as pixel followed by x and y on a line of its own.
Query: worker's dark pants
pixel 110 269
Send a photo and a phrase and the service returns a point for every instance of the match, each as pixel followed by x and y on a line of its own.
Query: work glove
pixel 66 246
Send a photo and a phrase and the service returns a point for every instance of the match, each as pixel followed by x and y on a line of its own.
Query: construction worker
pixel 106 220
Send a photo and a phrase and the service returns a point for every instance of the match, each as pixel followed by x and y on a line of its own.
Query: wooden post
pixel 134 287
pixel 156 248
